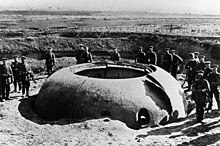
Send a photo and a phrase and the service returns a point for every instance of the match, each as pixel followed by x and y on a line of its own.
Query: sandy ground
pixel 19 125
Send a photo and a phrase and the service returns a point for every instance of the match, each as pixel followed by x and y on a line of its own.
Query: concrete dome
pixel 135 94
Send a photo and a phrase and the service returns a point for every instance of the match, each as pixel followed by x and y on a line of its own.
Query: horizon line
pixel 135 11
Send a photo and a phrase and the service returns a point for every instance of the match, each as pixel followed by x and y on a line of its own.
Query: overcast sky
pixel 170 6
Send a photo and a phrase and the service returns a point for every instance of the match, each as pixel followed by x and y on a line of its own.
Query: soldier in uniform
pixel 50 61
pixel 6 76
pixel 196 56
pixel 177 60
pixel 214 80
pixel 141 56
pixel 115 56
pixel 151 56
pixel 86 56
pixel 26 76
pixel 79 53
pixel 201 64
pixel 207 69
pixel 167 60
pixel 191 68
pixel 200 92
pixel 16 74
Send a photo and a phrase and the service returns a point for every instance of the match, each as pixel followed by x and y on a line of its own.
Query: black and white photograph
pixel 109 72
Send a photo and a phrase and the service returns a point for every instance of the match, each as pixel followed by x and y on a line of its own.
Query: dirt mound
pixel 102 44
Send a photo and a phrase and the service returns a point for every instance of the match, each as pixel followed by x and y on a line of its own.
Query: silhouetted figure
pixel 79 53
pixel 6 76
pixel 207 69
pixel 141 56
pixel 167 60
pixel 151 56
pixel 191 68
pixel 214 80
pixel 115 56
pixel 16 74
pixel 26 76
pixel 201 64
pixel 50 61
pixel 200 92
pixel 177 60
pixel 86 56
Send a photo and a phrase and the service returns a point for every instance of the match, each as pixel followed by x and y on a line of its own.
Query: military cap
pixel 81 45
pixel 208 62
pixel 202 56
pixel 167 49
pixel 50 48
pixel 151 47
pixel 23 57
pixel 140 47
pixel 172 50
pixel 214 66
pixel 191 54
pixel 200 72
pixel 4 58
pixel 15 56
pixel 196 53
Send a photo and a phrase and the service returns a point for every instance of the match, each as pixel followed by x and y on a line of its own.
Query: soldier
pixel 167 60
pixel 201 64
pixel 207 69
pixel 196 56
pixel 26 76
pixel 214 80
pixel 177 60
pixel 115 56
pixel 141 56
pixel 191 68
pixel 86 56
pixel 50 61
pixel 200 92
pixel 16 74
pixel 151 56
pixel 6 76
pixel 79 53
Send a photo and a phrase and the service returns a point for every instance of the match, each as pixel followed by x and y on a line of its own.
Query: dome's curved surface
pixel 134 94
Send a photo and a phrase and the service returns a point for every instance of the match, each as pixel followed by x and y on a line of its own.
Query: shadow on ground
pixel 190 128
pixel 26 110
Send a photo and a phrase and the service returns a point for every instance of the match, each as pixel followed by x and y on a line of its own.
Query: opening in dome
pixel 112 73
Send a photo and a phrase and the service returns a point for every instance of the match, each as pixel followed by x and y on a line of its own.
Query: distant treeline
pixel 43 12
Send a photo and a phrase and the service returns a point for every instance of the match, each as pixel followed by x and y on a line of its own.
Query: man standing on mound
pixel 86 56
pixel 115 56
pixel 79 53
pixel 200 95
pixel 177 60
pixel 50 61
pixel 141 56
pixel 6 76
pixel 17 77
pixel 26 76
pixel 151 56
pixel 167 61
pixel 214 80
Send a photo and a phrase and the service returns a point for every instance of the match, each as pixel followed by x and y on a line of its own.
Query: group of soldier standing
pixel 170 61
pixel 203 80
pixel 18 73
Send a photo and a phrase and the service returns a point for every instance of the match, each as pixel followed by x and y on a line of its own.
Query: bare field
pixel 182 24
